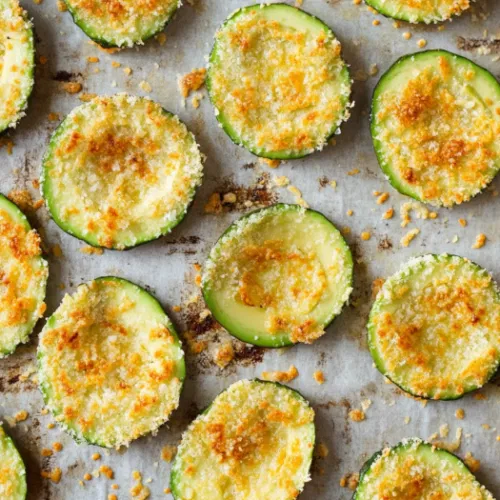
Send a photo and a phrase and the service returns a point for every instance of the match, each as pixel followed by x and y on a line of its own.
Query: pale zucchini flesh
pixel 23 277
pixel 120 171
pixel 17 62
pixel 12 470
pixel 254 442
pixel 277 81
pixel 110 364
pixel 121 23
pixel 434 329
pixel 278 276
pixel 420 11
pixel 436 127
pixel 416 470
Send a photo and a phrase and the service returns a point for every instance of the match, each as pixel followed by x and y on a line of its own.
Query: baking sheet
pixel 166 266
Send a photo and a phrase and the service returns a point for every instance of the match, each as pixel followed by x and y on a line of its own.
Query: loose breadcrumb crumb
pixel 319 376
pixel 107 471
pixel 57 446
pixel 388 214
pixel 21 416
pixel 350 481
pixel 145 86
pixel 382 198
pixel 54 475
pixel 462 222
pixel 460 414
pixel 96 456
pixel 93 59
pixel 224 355
pixel 270 163
pixel 365 235
pixel 409 236
pixel 357 415
pixel 192 81
pixel 46 452
pixel 407 35
pixel 278 376
pixel 87 476
pixel 422 43
pixel 480 241
pixel 168 453
pixel 321 450
pixel 72 87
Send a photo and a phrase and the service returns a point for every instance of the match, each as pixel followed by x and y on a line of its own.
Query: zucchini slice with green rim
pixel 278 276
pixel 23 277
pixel 436 127
pixel 12 472
pixel 110 364
pixel 277 81
pixel 255 440
pixel 17 57
pixel 120 171
pixel 420 11
pixel 122 23
pixel 414 469
pixel 434 329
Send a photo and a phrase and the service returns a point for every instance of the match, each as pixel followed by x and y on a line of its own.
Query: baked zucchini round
pixel 110 364
pixel 120 171
pixel 121 23
pixel 17 55
pixel 277 80
pixel 434 329
pixel 23 277
pixel 278 276
pixel 255 440
pixel 414 469
pixel 436 127
pixel 420 11
pixel 12 470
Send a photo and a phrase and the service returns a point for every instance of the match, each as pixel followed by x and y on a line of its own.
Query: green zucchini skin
pixel 384 82
pixel 93 238
pixel 226 126
pixel 45 386
pixel 29 71
pixel 19 217
pixel 414 268
pixel 278 340
pixel 114 41
pixel 444 455
pixel 420 17
pixel 176 474
pixel 8 454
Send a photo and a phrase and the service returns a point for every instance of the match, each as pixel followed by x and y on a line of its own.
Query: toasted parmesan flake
pixel 110 363
pixel 277 81
pixel 122 23
pixel 256 440
pixel 433 329
pixel 435 135
pixel 120 171
pixel 417 470
pixel 17 62
pixel 23 277
pixel 278 276
pixel 420 11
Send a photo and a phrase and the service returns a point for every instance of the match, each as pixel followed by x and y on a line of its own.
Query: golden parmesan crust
pixel 120 171
pixel 428 11
pixel 16 62
pixel 111 366
pixel 435 327
pixel 12 470
pixel 433 130
pixel 122 22
pixel 281 87
pixel 254 442
pixel 415 470
pixel 289 283
pixel 23 275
